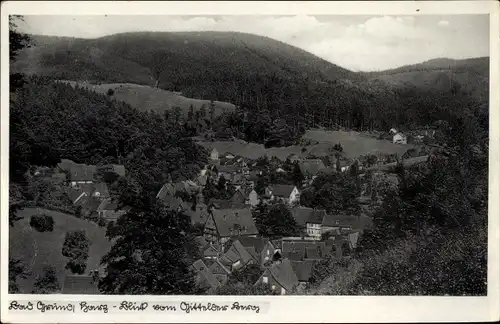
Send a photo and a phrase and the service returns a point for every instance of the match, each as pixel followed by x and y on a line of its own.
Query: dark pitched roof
pixel 167 189
pixel 82 172
pixel 80 285
pixel 258 243
pixel 226 204
pixel 304 215
pixel 302 249
pixel 204 276
pixel 238 252
pixel 303 269
pixel 282 190
pixel 92 204
pixel 102 189
pixel 108 204
pixel 340 220
pixel 77 192
pixel 217 268
pixel 311 167
pixel 301 215
pixel 283 273
pixel 228 221
pixel 65 165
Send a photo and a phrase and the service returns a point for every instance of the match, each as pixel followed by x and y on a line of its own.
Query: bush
pixel 42 223
pixel 111 92
pixel 77 266
pixel 76 248
pixel 48 282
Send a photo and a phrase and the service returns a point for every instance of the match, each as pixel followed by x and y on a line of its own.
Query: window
pixel 265 280
pixel 267 252
pixel 283 291
pixel 273 287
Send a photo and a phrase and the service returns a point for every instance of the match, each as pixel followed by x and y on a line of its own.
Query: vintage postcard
pixel 250 161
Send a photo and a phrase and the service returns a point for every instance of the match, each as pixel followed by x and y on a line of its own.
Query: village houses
pixel 288 194
pixel 224 223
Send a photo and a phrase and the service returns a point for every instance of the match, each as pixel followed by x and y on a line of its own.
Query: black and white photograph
pixel 247 155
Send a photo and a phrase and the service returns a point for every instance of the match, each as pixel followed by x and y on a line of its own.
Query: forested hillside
pixel 253 72
pixel 51 120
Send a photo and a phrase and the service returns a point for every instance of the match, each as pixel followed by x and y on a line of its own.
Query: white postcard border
pixel 280 308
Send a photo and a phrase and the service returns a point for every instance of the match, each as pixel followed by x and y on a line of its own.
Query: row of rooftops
pixel 294 264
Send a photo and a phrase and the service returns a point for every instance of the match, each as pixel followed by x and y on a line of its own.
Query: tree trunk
pixel 157 83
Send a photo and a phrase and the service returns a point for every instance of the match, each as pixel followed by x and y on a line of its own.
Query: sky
pixel 358 43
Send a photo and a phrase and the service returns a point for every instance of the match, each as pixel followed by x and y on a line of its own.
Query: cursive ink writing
pixel 133 306
pixel 164 308
pixel 41 306
pixel 14 305
pixel 237 306
pixel 93 308
pixel 188 307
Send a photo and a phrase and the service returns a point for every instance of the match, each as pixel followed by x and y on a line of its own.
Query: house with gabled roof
pixel 108 209
pixel 220 271
pixel 261 248
pixel 289 194
pixel 224 223
pixel 332 222
pixel 204 278
pixel 280 277
pixel 300 249
pixel 309 220
pixel 81 174
pixel 238 256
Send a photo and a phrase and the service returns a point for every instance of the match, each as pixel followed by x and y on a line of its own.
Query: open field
pixel 353 143
pixel 144 97
pixel 37 249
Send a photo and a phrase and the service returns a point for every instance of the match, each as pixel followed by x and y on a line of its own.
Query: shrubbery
pixel 42 223
pixel 76 248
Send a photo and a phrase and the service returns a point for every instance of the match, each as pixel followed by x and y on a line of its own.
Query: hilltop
pixel 259 73
pixel 468 75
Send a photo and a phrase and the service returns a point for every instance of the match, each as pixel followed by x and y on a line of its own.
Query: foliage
pixel 50 120
pixel 152 253
pixel 42 223
pixel 337 193
pixel 17 270
pixel 48 282
pixel 275 220
pixel 76 249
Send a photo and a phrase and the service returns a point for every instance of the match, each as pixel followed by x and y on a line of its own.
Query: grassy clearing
pixel 353 143
pixel 144 97
pixel 37 249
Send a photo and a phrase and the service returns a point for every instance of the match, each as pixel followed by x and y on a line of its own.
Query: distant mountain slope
pixel 469 75
pixel 189 56
pixel 259 73
pixel 144 98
